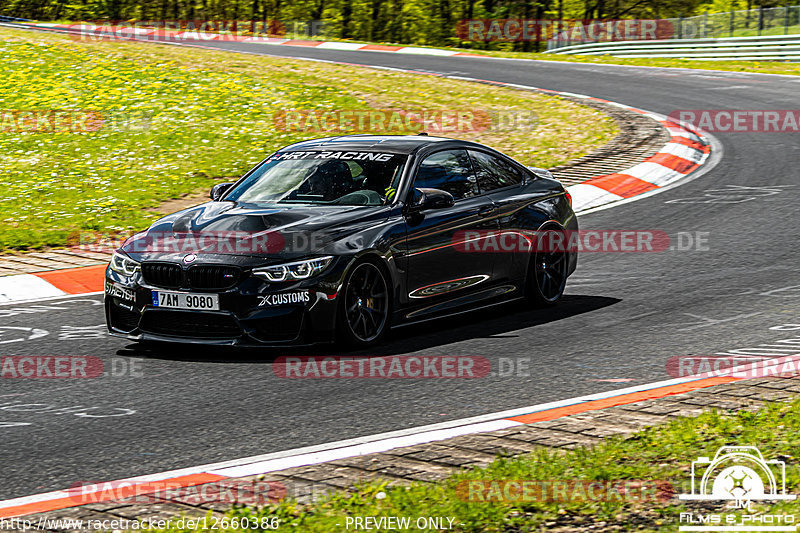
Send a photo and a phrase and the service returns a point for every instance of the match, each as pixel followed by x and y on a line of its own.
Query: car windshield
pixel 346 178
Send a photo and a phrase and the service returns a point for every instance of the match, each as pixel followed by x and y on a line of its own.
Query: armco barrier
pixel 4 18
pixel 770 48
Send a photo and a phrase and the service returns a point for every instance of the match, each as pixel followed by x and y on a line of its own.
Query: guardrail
pixel 758 22
pixel 4 18
pixel 764 48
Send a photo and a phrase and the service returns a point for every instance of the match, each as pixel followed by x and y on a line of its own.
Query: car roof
pixel 398 144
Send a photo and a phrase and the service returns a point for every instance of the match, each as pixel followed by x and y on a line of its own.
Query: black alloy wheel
pixel 364 313
pixel 547 274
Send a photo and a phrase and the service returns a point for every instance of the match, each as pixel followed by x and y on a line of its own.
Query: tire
pixel 547 271
pixel 363 314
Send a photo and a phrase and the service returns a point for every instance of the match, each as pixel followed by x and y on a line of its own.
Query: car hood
pixel 215 231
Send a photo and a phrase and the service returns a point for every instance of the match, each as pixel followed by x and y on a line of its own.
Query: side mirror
pixel 219 190
pixel 541 173
pixel 425 199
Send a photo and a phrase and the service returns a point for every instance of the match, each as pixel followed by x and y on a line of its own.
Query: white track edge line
pixel 383 442
pixel 376 439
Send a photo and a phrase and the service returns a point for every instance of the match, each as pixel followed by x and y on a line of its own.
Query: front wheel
pixel 364 310
pixel 547 271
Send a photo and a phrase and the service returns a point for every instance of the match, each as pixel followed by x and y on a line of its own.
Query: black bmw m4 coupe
pixel 340 239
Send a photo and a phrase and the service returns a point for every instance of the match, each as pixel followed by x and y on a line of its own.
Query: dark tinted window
pixel 494 172
pixel 348 178
pixel 449 171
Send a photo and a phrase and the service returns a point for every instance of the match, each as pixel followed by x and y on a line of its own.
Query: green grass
pixel 202 115
pixel 753 32
pixel 661 453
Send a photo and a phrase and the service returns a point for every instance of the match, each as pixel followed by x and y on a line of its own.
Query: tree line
pixel 421 22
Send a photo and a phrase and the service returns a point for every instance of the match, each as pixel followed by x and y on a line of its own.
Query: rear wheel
pixel 547 270
pixel 364 312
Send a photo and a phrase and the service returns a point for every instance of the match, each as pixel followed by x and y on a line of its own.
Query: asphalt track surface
pixel 623 317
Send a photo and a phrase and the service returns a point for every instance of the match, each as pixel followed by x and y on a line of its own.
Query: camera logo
pixel 738 475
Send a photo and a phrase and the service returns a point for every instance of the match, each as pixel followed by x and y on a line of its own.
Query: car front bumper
pixel 245 317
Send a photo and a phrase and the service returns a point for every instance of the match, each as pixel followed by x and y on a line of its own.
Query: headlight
pixel 293 271
pixel 124 265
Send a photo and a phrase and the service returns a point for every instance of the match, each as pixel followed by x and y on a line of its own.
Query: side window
pixel 449 171
pixel 494 172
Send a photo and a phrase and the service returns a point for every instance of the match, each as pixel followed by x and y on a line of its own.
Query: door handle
pixel 486 210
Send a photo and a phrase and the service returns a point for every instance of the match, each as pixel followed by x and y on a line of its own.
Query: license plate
pixel 185 300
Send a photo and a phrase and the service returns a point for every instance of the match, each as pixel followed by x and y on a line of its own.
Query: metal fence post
pixel 680 26
pixel 705 24
pixel 733 14
pixel 786 20
pixel 760 19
